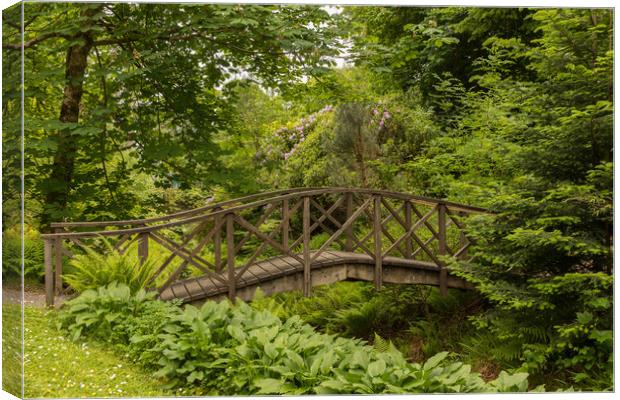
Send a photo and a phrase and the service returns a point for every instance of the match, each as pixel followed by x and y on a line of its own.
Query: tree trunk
pixel 61 178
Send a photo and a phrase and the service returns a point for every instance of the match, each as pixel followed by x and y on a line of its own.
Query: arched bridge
pixel 281 240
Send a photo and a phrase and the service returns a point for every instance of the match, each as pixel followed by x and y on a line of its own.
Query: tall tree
pixel 147 81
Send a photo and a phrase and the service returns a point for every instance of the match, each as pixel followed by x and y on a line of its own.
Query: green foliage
pixel 57 367
pixel 509 109
pixel 146 103
pixel 102 313
pixel 542 332
pixel 99 267
pixel 12 253
pixel 416 318
pixel 226 349
pixel 417 47
pixel 526 131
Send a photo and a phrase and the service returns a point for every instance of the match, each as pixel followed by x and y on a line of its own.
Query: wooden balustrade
pixel 374 223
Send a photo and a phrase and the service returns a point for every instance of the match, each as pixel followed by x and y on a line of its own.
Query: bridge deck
pixel 284 273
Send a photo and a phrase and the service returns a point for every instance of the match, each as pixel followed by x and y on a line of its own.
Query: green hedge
pixel 230 349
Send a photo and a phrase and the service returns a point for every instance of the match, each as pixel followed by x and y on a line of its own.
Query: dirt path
pixel 34 295
pixel 10 295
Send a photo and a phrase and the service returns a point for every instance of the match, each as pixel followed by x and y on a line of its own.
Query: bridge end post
pixel 49 272
pixel 443 272
pixel 378 253
pixel 58 263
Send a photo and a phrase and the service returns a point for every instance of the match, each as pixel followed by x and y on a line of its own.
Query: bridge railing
pixel 223 240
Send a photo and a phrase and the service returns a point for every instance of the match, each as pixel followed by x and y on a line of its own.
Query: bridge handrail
pixel 144 221
pixel 288 193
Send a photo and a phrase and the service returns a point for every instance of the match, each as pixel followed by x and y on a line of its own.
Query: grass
pixel 57 367
pixel 11 349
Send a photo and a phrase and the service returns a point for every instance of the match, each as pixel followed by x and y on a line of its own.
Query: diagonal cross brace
pixel 344 227
pixel 339 225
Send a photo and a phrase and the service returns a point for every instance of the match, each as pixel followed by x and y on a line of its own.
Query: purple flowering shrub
pixel 287 140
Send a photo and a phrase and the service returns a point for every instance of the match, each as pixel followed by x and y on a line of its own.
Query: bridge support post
pixel 408 246
pixel 348 246
pixel 306 238
pixel 462 239
pixel 58 263
pixel 443 272
pixel 143 247
pixel 230 256
pixel 49 272
pixel 377 231
pixel 217 242
pixel 285 223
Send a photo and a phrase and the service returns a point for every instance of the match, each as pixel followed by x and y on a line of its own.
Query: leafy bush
pixel 12 254
pixel 94 269
pixel 356 309
pixel 226 349
pixel 549 334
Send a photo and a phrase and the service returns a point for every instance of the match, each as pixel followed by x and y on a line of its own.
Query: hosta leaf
pixel 195 375
pixel 376 368
pixel 237 333
pixel 269 386
pixel 511 383
pixel 271 350
pixel 434 360
pixel 332 386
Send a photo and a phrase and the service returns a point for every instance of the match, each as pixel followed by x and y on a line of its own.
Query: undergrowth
pixel 227 349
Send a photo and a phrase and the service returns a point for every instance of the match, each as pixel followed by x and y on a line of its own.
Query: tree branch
pixel 35 41
pixel 18 26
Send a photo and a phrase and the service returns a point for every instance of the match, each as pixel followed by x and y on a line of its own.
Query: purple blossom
pixel 375 111
pixel 387 115
pixel 381 123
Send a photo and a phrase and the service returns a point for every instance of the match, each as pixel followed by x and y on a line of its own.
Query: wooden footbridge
pixel 283 240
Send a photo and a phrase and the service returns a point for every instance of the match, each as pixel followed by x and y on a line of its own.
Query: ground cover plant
pixel 234 349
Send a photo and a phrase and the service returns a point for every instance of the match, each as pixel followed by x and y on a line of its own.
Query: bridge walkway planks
pixel 281 274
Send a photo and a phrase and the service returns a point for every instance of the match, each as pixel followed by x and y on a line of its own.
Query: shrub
pixel 226 349
pixel 12 256
pixel 94 269
pixel 564 327
pixel 356 309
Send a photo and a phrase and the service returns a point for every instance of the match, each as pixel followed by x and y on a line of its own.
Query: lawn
pixel 57 367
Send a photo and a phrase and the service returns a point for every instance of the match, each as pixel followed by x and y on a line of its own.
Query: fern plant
pixel 12 253
pixel 94 269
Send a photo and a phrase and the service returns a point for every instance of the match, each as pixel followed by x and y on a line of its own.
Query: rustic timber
pixel 290 239
pixel 282 274
pixel 49 272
